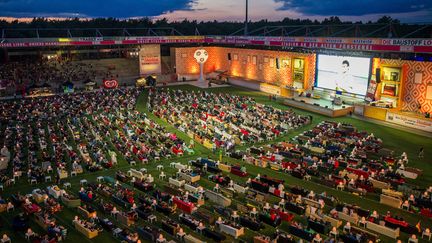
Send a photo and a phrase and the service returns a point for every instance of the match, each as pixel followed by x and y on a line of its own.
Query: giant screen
pixel 343 73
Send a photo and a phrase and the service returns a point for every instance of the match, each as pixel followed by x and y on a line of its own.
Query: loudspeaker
pixel 277 63
pixel 229 56
pixel 378 75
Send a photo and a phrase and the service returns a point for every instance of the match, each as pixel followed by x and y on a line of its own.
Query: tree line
pixel 384 27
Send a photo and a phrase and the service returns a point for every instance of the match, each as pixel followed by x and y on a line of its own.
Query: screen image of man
pixel 345 79
pixel 343 74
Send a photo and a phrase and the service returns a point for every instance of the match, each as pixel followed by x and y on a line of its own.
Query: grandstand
pixel 318 132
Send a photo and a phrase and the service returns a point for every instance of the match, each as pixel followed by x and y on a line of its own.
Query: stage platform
pixel 205 84
pixel 320 106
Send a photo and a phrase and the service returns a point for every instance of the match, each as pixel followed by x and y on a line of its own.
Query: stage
pixel 320 106
pixel 205 84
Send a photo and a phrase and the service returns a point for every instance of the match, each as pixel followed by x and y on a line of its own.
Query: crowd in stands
pixel 24 74
pixel 32 73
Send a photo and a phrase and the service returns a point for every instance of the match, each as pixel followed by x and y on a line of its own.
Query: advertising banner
pixel 361 44
pixel 413 122
pixel 110 84
pixel 150 60
pixel 370 94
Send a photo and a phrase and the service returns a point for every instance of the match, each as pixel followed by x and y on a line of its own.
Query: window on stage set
pixel 285 63
pixel 391 77
pixel 391 74
pixel 254 60
pixel 391 84
pixel 298 72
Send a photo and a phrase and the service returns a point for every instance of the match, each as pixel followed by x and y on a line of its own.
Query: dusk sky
pixel 405 10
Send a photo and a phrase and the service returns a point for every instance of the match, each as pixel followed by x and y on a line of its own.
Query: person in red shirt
pixel 90 195
pixel 273 217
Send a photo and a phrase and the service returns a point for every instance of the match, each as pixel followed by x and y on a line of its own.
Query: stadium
pixel 242 132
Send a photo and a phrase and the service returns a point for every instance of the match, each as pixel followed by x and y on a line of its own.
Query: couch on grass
pixel 83 230
pixel 85 213
pixel 191 239
pixel 381 229
pixel 218 198
pixel 175 182
pixel 349 218
pixel 334 222
pixel 71 202
pixel 390 201
pixel 231 230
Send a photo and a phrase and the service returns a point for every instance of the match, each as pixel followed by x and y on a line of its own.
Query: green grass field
pixel 397 140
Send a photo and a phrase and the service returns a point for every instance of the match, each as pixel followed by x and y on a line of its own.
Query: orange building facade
pixel 407 83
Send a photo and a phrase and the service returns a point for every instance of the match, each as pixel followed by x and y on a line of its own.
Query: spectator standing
pixel 421 153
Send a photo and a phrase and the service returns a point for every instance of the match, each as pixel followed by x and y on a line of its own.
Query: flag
pixel 418 226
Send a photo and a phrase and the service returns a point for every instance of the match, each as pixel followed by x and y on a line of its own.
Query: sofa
pixel 392 233
pixel 86 232
pixel 71 202
pixel 191 239
pixel 352 219
pixel 189 177
pixel 175 182
pixel 191 188
pixel 224 167
pixel 218 198
pixel 390 201
pixel 231 230
pixel 83 212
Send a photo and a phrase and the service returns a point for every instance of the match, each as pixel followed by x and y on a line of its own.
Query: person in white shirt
pixel 345 78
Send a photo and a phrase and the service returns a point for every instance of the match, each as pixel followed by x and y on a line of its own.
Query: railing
pixel 86 32
pixel 357 30
pixel 377 30
pixel 288 41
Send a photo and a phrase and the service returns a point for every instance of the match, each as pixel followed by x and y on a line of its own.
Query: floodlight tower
pixel 246 20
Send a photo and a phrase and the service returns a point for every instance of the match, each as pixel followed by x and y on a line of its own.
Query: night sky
pixel 405 10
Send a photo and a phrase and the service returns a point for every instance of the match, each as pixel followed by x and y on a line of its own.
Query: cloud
pixel 90 8
pixel 354 7
pixel 232 10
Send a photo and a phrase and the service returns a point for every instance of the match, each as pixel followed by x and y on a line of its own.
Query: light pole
pixel 246 20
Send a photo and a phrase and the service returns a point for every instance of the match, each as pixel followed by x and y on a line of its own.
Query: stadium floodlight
pixel 246 19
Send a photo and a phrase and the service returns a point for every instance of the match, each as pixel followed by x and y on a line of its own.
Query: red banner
pixel 361 44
